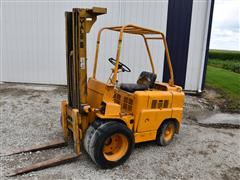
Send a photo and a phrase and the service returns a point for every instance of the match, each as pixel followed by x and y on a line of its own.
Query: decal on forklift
pixel 82 63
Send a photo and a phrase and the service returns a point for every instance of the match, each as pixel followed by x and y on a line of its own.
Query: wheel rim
pixel 168 134
pixel 115 147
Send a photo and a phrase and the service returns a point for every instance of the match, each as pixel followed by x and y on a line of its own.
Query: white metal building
pixel 33 39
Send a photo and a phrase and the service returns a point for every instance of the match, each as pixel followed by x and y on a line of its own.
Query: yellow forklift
pixel 108 118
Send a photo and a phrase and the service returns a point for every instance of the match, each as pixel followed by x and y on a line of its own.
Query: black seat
pixel 145 81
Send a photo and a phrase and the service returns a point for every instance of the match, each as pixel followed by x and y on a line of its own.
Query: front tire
pixel 89 134
pixel 111 144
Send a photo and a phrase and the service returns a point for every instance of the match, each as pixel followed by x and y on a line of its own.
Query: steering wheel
pixel 120 65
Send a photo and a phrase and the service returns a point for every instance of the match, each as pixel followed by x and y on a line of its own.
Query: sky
pixel 226 25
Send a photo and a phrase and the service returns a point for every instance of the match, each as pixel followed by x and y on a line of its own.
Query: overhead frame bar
pixel 133 29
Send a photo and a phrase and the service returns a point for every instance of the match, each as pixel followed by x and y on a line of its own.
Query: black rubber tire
pixel 87 138
pixel 160 134
pixel 89 133
pixel 99 137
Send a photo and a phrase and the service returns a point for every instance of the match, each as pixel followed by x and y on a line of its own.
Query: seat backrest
pixel 147 78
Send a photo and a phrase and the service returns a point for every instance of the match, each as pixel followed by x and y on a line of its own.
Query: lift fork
pixel 44 164
pixel 54 144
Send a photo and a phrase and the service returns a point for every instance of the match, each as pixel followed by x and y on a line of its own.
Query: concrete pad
pixel 221 120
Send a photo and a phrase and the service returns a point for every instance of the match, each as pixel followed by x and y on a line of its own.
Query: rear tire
pixel 111 144
pixel 166 133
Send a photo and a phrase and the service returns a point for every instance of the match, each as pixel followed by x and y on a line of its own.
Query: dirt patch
pixel 33 96
pixel 219 99
pixel 60 90
pixel 219 120
pixel 2 103
pixel 221 125
pixel 231 173
pixel 13 91
pixel 229 133
pixel 46 101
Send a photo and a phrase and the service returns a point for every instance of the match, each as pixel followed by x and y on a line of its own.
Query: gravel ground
pixel 30 115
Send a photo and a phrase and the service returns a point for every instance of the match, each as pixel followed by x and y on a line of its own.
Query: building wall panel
pixel 197 44
pixel 178 34
pixel 33 42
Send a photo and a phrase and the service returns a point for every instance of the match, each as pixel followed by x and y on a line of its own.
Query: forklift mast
pixel 78 24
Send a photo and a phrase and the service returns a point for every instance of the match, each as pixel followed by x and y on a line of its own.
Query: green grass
pixel 232 65
pixel 223 74
pixel 227 82
pixel 224 54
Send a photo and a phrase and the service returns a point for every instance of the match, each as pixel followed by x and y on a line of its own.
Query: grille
pixel 159 104
pixel 127 103
pixel 117 98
